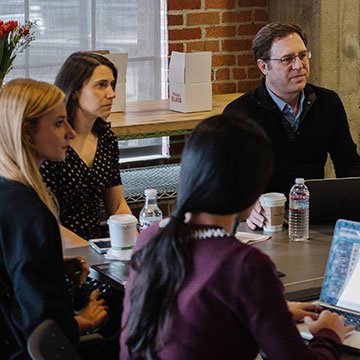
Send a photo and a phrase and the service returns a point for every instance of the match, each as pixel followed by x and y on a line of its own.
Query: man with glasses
pixel 304 122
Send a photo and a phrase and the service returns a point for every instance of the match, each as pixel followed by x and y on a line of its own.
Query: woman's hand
pixel 256 218
pixel 301 309
pixel 331 321
pixel 76 269
pixel 93 314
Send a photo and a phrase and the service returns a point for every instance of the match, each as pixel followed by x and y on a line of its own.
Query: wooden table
pixel 153 118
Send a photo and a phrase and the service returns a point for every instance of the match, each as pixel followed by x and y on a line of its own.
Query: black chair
pixel 48 342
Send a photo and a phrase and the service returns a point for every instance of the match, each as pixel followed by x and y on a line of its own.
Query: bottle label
pixel 299 204
pixel 146 222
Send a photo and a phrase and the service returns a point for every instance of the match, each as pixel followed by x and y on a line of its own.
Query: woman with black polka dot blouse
pixel 90 172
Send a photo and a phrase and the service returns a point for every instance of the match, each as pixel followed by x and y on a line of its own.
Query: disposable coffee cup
pixel 274 209
pixel 122 231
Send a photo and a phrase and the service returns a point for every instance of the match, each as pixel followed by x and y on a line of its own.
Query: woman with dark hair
pixel 195 291
pixel 90 173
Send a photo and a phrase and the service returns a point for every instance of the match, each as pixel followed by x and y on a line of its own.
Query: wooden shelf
pixel 154 117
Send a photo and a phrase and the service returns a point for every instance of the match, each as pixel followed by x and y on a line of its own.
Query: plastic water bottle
pixel 299 200
pixel 151 212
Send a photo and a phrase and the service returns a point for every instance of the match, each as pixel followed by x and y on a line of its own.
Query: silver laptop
pixel 333 199
pixel 341 286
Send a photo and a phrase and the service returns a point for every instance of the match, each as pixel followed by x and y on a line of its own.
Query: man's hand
pixel 301 309
pixel 76 268
pixel 93 314
pixel 256 218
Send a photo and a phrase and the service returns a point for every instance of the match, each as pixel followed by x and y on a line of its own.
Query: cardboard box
pixel 120 61
pixel 190 97
pixel 190 81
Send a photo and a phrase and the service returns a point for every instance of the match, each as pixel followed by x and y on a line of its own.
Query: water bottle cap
pixel 299 180
pixel 150 193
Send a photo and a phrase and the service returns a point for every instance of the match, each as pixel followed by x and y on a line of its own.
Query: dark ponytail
pixel 162 266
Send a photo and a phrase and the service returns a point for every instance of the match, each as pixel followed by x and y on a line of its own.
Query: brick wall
pixel 225 27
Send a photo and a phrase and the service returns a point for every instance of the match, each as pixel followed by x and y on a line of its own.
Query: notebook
pixel 333 199
pixel 340 291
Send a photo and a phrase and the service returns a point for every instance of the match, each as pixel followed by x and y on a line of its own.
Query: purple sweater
pixel 231 306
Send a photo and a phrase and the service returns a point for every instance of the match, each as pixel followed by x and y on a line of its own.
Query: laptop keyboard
pixel 350 319
pixel 80 295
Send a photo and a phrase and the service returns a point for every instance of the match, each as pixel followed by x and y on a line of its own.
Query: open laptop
pixel 340 290
pixel 333 199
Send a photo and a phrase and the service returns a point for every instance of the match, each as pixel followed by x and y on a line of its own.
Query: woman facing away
pixel 90 174
pixel 34 127
pixel 195 291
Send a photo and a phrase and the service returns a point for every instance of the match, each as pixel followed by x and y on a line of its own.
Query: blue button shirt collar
pixel 286 109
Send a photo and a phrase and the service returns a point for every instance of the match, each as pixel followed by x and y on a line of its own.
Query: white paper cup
pixel 274 207
pixel 122 231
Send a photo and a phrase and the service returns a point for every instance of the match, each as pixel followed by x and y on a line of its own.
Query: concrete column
pixel 333 27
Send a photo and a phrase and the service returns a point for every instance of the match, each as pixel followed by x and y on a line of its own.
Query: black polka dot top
pixel 79 189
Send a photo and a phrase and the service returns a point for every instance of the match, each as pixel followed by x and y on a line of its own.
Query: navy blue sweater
pixel 323 130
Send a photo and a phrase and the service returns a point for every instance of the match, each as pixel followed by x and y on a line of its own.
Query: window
pixel 137 27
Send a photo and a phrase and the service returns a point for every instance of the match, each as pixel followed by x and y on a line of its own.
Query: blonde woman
pixel 34 127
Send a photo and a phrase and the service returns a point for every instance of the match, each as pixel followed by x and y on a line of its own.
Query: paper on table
pixel 123 255
pixel 250 238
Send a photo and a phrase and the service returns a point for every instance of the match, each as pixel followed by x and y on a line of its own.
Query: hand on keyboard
pixel 80 295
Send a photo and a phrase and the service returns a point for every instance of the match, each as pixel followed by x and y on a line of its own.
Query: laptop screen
pixel 341 283
pixel 333 199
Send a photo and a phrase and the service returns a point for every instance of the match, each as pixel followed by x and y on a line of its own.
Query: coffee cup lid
pixel 122 219
pixel 272 197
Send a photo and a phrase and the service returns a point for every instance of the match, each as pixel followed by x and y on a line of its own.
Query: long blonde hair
pixel 22 103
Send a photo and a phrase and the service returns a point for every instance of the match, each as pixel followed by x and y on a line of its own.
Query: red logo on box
pixel 176 97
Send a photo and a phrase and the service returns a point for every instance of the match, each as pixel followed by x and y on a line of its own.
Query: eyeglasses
pixel 289 59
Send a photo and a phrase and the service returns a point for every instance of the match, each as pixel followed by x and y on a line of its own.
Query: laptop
pixel 340 291
pixel 333 199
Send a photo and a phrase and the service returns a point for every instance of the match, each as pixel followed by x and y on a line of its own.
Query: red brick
pixel 207 18
pixel 222 74
pixel 253 72
pixel 236 16
pixel 220 31
pixel 221 60
pixel 184 34
pixel 176 47
pixel 223 88
pixel 175 20
pixel 212 45
pixel 244 86
pixel 249 29
pixel 245 3
pixel 220 4
pixel 236 45
pixel 239 73
pixel 245 60
pixel 183 4
pixel 261 15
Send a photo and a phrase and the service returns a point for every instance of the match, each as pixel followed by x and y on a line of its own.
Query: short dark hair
pixel 222 165
pixel 78 68
pixel 263 40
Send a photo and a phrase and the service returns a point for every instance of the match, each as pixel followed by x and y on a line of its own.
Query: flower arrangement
pixel 14 38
